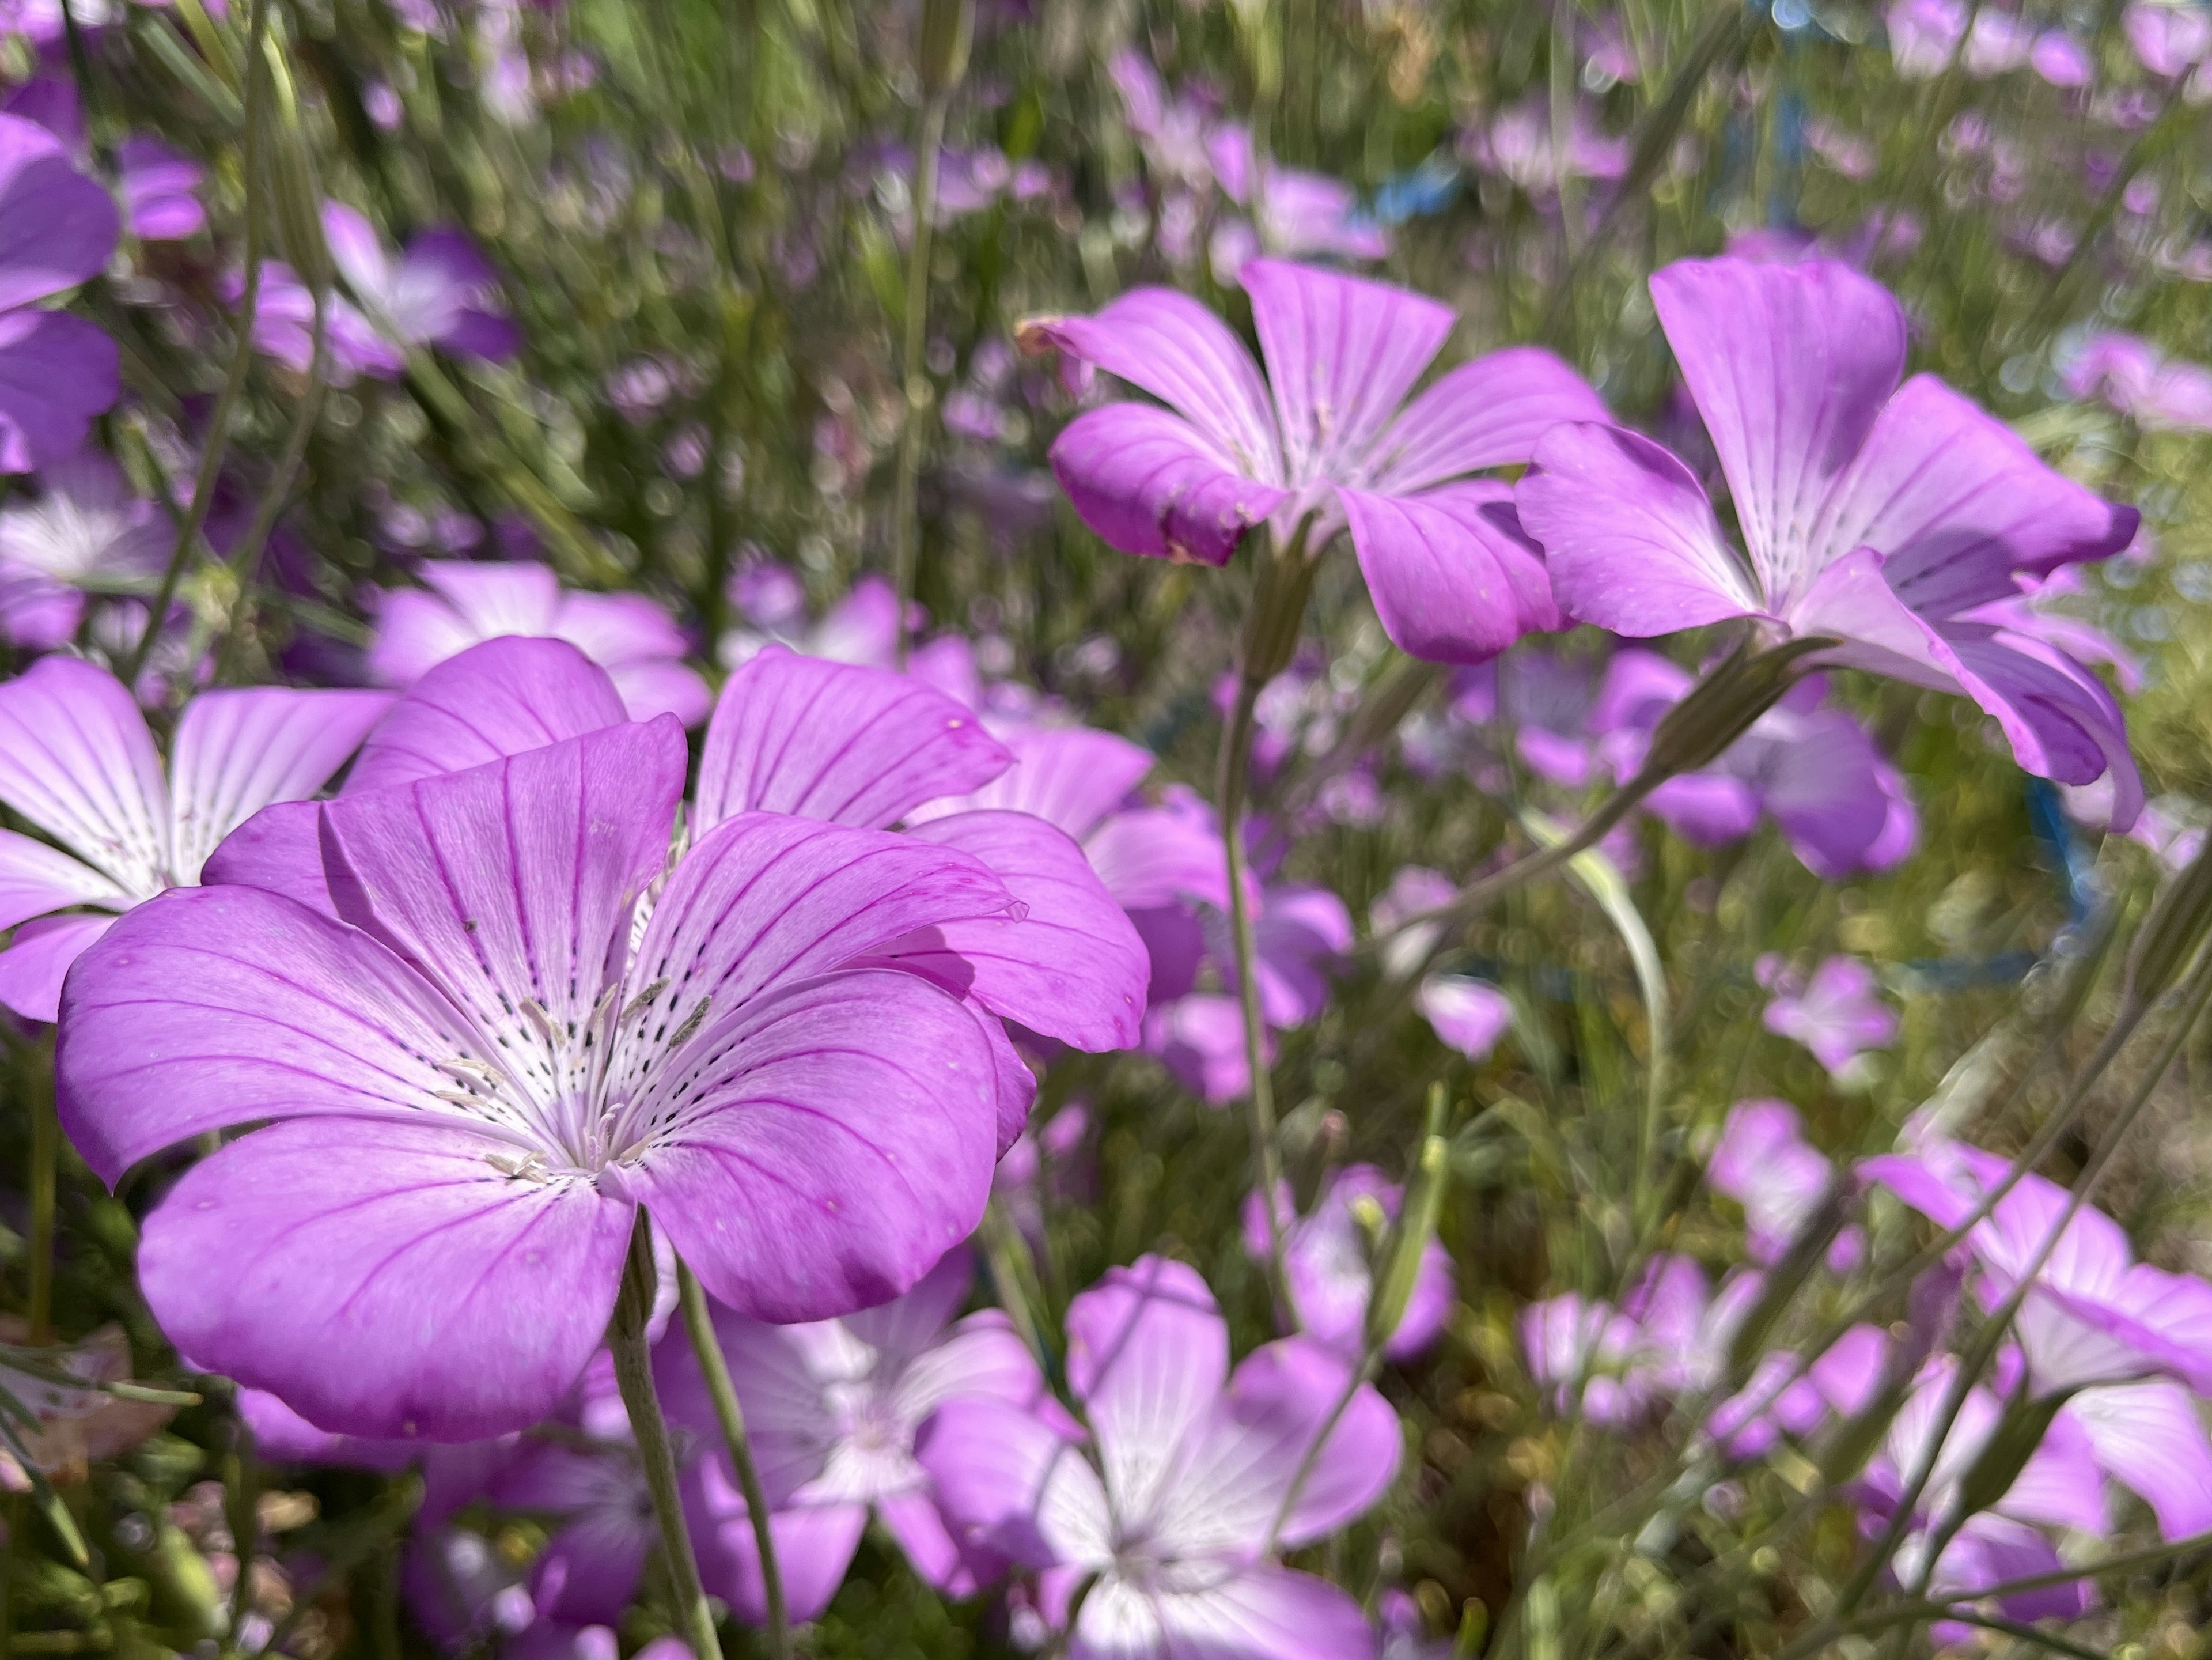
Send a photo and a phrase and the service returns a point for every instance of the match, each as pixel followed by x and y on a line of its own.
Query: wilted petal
pixel 1790 365
pixel 1177 350
pixel 77 761
pixel 1342 352
pixel 502 697
pixel 1488 413
pixel 837 742
pixel 819 1150
pixel 236 753
pixel 1147 1355
pixel 1070 965
pixel 1454 577
pixel 1629 541
pixel 1150 482
pixel 384 1279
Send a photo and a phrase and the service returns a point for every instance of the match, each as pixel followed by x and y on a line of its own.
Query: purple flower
pixel 1451 575
pixel 1669 1337
pixel 481 1052
pixel 2135 378
pixel 1199 1037
pixel 1466 1015
pixel 1836 1014
pixel 1764 1163
pixel 1923 34
pixel 1871 513
pixel 284 327
pixel 77 762
pixel 1326 1263
pixel 862 628
pixel 629 636
pixel 832 1410
pixel 2169 39
pixel 1198 1473
pixel 161 190
pixel 1518 145
pixel 441 292
pixel 57 230
pixel 84 530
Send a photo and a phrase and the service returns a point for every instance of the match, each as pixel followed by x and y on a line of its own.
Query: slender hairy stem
pixel 1235 763
pixel 700 1326
pixel 45 1155
pixel 906 533
pixel 241 356
pixel 633 1357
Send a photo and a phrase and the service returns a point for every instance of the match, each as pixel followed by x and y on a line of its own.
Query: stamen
pixel 692 1022
pixel 644 1000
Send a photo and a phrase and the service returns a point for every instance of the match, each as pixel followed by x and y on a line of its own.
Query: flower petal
pixel 1454 577
pixel 235 752
pixel 1177 350
pixel 1155 856
pixel 1483 414
pixel 1012 1485
pixel 838 742
pixel 36 966
pixel 1150 482
pixel 57 372
pixel 1957 503
pixel 814 1548
pixel 1342 353
pixel 1071 967
pixel 384 1279
pixel 56 227
pixel 76 760
pixel 819 1150
pixel 502 697
pixel 1629 538
pixel 1070 777
pixel 35 878
pixel 663 688
pixel 1256 1613
pixel 2149 1438
pixel 280 850
pixel 1789 366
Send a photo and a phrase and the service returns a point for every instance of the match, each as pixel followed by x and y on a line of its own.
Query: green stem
pixel 715 1367
pixel 905 530
pixel 241 357
pixel 633 1358
pixel 1260 1094
pixel 243 1512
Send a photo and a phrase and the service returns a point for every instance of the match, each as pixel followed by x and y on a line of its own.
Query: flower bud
pixel 947 27
pixel 1417 1225
pixel 2169 935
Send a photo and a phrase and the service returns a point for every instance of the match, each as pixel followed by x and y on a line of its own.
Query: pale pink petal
pixel 35 878
pixel 77 761
pixel 236 753
pixel 1147 1355
pixel 1009 1484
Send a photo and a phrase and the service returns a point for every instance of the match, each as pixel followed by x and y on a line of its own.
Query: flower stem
pixel 1235 762
pixel 715 1369
pixel 45 1155
pixel 633 1357
pixel 905 531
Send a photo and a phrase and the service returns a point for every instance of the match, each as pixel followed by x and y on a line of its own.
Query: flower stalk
pixel 715 1367
pixel 633 1358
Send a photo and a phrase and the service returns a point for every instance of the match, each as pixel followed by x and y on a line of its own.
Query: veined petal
pixel 1177 350
pixel 76 760
pixel 665 687
pixel 1342 352
pixel 1147 1355
pixel 1453 577
pixel 1483 414
pixel 235 752
pixel 502 697
pixel 1234 1468
pixel 1155 856
pixel 416 631
pixel 36 964
pixel 1957 503
pixel 821 1148
pixel 220 1005
pixel 1629 539
pixel 511 885
pixel 384 1279
pixel 279 848
pixel 1071 966
pixel 1151 483
pixel 496 597
pixel 2149 1438
pixel 1070 777
pixel 35 878
pixel 1011 1484
pixel 1223 1613
pixel 1789 366
pixel 836 742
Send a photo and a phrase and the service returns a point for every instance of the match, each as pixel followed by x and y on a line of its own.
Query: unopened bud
pixel 1723 706
pixel 947 27
pixel 2169 935
pixel 1417 1226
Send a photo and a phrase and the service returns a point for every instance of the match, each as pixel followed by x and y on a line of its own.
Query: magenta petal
pixel 280 850
pixel 826 1144
pixel 1070 777
pixel 1071 966
pixel 2076 728
pixel 1261 1612
pixel 504 697
pixel 235 752
pixel 913 1520
pixel 834 741
pixel 35 968
pixel 1012 1485
pixel 1488 413
pixel 618 630
pixel 281 1435
pixel 1453 577
pixel 1629 538
pixel 384 1279
pixel 1958 502
pixel 2149 1438
pixel 1342 352
pixel 1156 856
pixel 1177 350
pixel 1147 1355
pixel 1150 482
pixel 57 372
pixel 56 227
pixel 667 687
pixel 219 1006
pixel 814 1546
pixel 77 761
pixel 1789 366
